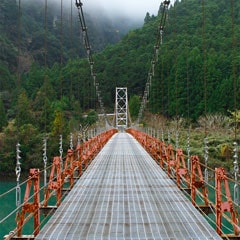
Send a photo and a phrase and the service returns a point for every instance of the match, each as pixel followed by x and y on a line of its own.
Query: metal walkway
pixel 124 194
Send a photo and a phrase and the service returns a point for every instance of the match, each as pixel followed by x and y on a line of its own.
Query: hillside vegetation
pixel 194 76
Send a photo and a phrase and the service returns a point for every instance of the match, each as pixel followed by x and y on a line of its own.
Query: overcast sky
pixel 132 8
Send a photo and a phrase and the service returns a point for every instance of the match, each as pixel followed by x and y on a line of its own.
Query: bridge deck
pixel 125 195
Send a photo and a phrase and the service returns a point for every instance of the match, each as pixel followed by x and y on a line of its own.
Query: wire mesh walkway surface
pixel 124 194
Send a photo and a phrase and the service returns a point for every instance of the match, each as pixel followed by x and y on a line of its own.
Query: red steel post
pixel 224 206
pixel 55 182
pixel 181 169
pixel 31 207
pixel 197 180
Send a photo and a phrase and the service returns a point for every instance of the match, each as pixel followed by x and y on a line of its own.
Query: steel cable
pixel 151 73
pixel 87 45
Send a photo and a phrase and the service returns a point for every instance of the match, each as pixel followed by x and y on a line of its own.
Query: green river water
pixel 7 204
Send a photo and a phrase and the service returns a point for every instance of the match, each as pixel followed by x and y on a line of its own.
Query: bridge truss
pixel 121 108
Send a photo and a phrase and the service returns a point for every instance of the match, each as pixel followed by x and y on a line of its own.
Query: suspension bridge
pixel 124 182
pixel 125 185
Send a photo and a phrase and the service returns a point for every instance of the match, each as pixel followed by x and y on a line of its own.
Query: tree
pixel 134 105
pixel 147 17
pixel 3 117
pixel 42 105
pixel 6 79
pixel 58 123
pixel 24 114
pixel 92 117
pixel 10 11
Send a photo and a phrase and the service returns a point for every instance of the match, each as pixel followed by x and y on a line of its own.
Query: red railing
pixel 174 163
pixel 62 171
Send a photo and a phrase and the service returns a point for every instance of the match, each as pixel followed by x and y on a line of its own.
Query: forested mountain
pixel 198 65
pixel 45 39
pixel 55 28
pixel 195 61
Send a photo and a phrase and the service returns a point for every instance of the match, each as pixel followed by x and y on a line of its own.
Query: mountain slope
pixel 61 32
pixel 195 74
pixel 195 64
pixel 194 67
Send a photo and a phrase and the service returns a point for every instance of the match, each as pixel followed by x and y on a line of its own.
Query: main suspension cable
pixel 18 85
pixel 188 94
pixel 204 65
pixel 176 78
pixel 234 71
pixel 45 64
pixel 235 144
pixel 71 44
pixel 61 50
pixel 206 152
pixel 18 158
pixel 151 73
pixel 86 42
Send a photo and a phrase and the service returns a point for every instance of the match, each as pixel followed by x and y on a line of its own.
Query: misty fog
pixel 133 9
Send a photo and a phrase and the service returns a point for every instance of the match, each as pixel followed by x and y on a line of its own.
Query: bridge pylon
pixel 121 108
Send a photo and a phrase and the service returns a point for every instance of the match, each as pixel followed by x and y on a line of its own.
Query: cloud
pixel 134 9
pixel 131 8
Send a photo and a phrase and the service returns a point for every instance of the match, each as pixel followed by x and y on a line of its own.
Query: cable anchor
pixel 71 141
pixel 92 71
pixel 18 173
pixel 166 3
pixel 45 160
pixel 236 172
pixel 206 159
pixel 169 137
pixel 177 139
pixel 153 67
pixel 188 152
pixel 78 3
pixel 162 135
pixel 156 49
pixel 61 150
pixel 79 138
pixel 161 35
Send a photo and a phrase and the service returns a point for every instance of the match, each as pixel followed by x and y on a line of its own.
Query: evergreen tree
pixel 134 105
pixel 58 123
pixel 3 117
pixel 24 114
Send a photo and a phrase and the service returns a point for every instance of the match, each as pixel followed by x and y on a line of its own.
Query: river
pixel 7 205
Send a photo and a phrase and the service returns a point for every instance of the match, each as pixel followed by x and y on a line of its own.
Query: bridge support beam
pixel 30 207
pixel 55 182
pixel 182 170
pixel 197 181
pixel 222 206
